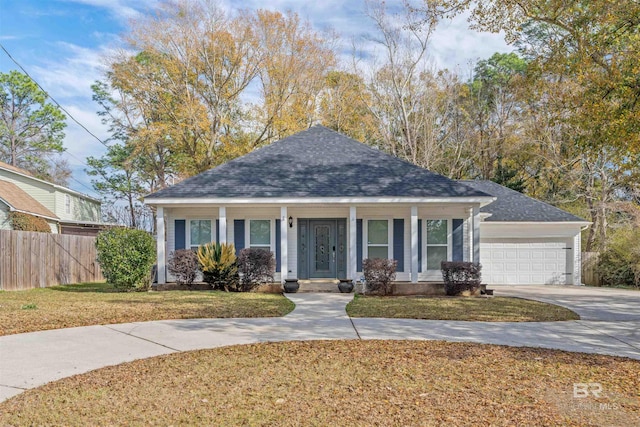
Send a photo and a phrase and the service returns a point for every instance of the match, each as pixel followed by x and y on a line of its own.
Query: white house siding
pixel 81 209
pixel 5 224
pixel 41 191
pixel 530 253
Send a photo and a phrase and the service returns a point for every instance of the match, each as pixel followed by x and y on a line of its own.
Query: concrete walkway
pixel 33 359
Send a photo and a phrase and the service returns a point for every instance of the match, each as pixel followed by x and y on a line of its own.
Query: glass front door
pixel 323 249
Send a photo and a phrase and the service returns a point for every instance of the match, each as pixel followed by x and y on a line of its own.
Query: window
pixel 378 238
pixel 200 232
pixel 67 203
pixel 437 242
pixel 260 234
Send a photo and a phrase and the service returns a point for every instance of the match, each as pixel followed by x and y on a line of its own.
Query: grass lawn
pixel 350 383
pixel 495 309
pixel 99 303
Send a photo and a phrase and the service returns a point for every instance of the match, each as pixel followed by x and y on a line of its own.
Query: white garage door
pixel 524 262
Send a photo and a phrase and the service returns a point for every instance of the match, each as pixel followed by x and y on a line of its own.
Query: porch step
pixel 318 286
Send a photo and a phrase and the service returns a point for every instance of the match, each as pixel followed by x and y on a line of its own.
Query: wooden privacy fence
pixel 38 260
pixel 590 274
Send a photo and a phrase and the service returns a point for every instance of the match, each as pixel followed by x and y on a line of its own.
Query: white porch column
pixel 353 244
pixel 476 234
pixel 470 236
pixel 222 219
pixel 160 246
pixel 284 252
pixel 414 244
pixel 577 259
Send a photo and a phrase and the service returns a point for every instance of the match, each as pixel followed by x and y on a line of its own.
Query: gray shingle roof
pixel 318 162
pixel 514 206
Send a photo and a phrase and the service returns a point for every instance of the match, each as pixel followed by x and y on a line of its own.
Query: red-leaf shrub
pixel 184 266
pixel 461 276
pixel 378 274
pixel 256 266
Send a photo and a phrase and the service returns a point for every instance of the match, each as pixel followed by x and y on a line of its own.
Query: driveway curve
pixel 33 359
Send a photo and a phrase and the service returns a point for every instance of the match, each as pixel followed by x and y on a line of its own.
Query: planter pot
pixel 345 286
pixel 291 286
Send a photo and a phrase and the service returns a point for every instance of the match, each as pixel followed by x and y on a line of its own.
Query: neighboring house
pixel 323 202
pixel 67 211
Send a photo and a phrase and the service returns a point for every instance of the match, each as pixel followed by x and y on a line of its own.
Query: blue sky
pixel 62 43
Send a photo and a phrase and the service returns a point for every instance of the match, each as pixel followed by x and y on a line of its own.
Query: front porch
pixel 330 240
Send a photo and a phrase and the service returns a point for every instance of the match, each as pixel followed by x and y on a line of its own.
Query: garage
pixel 525 262
pixel 524 241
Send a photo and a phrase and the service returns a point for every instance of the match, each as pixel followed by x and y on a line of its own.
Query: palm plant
pixel 219 265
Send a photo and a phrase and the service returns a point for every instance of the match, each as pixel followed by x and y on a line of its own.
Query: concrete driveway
pixel 612 327
pixel 594 304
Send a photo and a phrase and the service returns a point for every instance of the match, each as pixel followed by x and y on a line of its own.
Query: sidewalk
pixel 33 359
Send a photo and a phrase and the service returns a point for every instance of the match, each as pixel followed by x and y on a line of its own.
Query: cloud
pixel 454 45
pixel 124 10
pixel 72 70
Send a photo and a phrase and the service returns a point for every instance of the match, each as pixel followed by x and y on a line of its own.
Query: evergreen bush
pixel 126 257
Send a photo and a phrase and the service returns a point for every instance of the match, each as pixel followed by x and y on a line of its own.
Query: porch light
pixel 290 222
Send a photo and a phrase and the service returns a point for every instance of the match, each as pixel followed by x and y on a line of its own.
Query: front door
pixel 322 248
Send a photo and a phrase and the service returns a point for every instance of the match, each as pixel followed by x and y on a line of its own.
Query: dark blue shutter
pixel 398 243
pixel 278 255
pixel 458 251
pixel 180 225
pixel 217 231
pixel 359 244
pixel 238 234
pixel 419 245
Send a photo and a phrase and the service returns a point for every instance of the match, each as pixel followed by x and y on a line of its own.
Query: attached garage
pixel 526 261
pixel 524 241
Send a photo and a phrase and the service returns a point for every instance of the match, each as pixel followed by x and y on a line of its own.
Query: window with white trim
pixel 437 242
pixel 67 203
pixel 378 238
pixel 199 232
pixel 260 234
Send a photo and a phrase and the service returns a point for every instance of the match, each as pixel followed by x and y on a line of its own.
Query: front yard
pixel 98 303
pixel 355 383
pixel 495 309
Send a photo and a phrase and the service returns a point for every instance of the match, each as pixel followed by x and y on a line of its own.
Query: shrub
pixel 25 222
pixel 460 277
pixel 126 257
pixel 378 274
pixel 184 266
pixel 257 266
pixel 619 263
pixel 219 266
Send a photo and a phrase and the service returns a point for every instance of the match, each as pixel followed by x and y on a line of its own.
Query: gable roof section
pixel 18 200
pixel 25 173
pixel 513 206
pixel 15 169
pixel 317 163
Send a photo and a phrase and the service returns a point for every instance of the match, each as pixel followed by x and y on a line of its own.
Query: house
pixel 65 210
pixel 323 202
